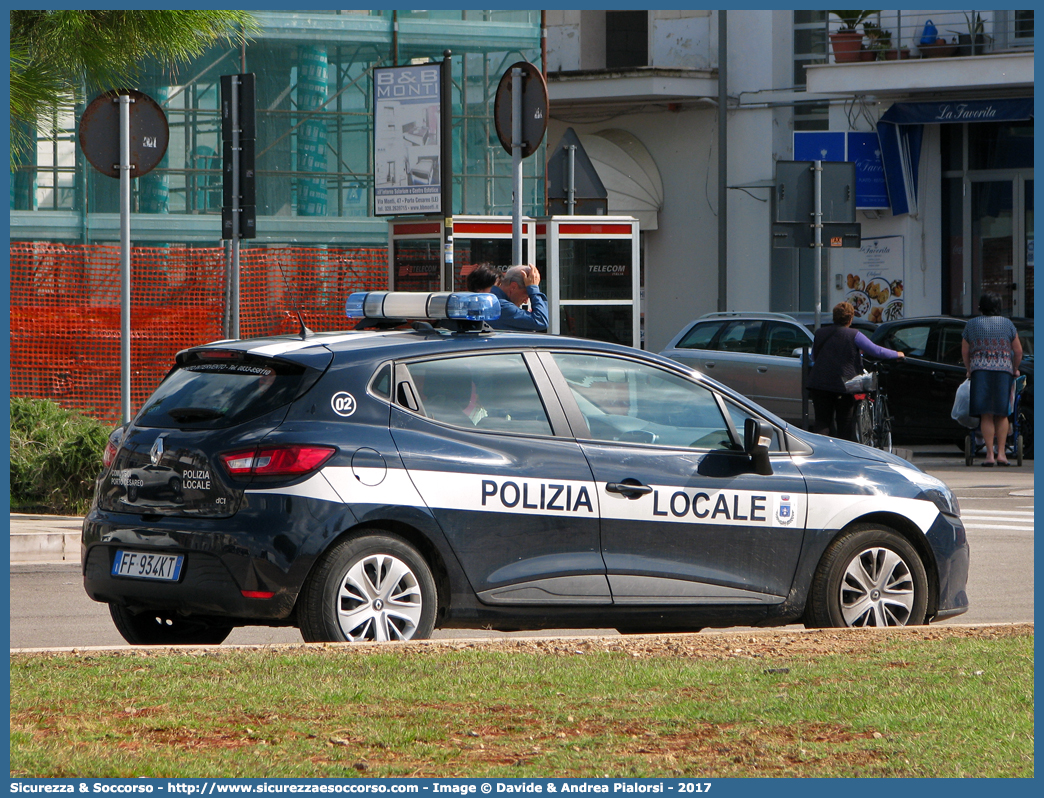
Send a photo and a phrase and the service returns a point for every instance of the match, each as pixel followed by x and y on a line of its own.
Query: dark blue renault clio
pixel 381 483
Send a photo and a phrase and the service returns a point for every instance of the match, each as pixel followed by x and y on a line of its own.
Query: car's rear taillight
pixel 277 461
pixel 112 446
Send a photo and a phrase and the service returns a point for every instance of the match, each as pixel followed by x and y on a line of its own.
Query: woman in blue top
pixel 992 353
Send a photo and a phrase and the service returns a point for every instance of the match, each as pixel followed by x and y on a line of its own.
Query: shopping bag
pixel 962 407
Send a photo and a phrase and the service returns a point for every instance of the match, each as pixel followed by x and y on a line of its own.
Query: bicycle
pixel 873 421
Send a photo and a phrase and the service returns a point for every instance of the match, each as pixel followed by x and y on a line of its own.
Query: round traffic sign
pixel 100 133
pixel 534 108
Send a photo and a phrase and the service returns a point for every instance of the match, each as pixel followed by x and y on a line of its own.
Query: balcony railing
pixel 889 35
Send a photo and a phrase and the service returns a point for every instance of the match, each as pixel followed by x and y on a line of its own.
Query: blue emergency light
pixel 459 305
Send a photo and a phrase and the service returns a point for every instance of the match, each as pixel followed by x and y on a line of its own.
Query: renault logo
pixel 156 452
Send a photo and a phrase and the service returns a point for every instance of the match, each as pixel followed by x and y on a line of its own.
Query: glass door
pixel 1002 242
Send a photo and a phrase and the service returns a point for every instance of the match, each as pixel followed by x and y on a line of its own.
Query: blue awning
pixel 901 130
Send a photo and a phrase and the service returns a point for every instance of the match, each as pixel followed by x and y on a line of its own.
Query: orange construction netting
pixel 65 310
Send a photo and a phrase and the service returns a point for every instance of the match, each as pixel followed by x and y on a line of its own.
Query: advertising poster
pixel 874 279
pixel 407 126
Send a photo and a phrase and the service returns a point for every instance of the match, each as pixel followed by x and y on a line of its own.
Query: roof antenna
pixel 304 331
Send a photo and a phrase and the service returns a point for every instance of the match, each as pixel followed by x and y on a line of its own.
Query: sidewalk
pixel 56 538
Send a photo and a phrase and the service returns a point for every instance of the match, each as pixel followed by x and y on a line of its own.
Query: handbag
pixel 962 407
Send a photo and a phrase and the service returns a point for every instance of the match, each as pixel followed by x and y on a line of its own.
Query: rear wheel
pixel 969 450
pixel 158 628
pixel 370 587
pixel 1019 450
pixel 864 423
pixel 869 576
pixel 882 425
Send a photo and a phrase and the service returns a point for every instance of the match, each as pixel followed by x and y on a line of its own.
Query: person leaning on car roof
pixel 836 358
pixel 518 285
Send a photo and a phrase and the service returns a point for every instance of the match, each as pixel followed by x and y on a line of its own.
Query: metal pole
pixel 516 166
pixel 234 283
pixel 818 225
pixel 125 260
pixel 571 185
pixel 723 160
pixel 447 168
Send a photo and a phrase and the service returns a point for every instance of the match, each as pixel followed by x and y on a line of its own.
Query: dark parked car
pixel 378 484
pixel 922 387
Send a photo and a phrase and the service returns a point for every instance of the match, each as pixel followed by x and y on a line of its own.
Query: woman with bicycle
pixel 992 353
pixel 837 357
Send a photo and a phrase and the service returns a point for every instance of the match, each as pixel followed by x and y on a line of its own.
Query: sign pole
pixel 446 177
pixel 234 277
pixel 125 260
pixel 516 165
pixel 818 224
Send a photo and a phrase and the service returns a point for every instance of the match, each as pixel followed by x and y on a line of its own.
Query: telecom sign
pixel 407 125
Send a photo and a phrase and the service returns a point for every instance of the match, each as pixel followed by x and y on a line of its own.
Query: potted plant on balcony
pixel 848 41
pixel 974 41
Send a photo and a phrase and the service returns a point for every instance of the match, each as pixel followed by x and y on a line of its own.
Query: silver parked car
pixel 752 353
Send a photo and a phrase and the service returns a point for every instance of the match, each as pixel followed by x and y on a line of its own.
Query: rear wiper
pixel 195 413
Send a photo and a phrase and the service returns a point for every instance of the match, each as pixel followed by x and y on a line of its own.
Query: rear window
pixel 215 395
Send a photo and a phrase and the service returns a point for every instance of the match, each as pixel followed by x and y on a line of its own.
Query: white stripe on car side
pixel 834 511
pixel 396 489
pixel 447 490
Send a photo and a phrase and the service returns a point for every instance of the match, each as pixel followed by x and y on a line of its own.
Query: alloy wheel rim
pixel 877 589
pixel 379 600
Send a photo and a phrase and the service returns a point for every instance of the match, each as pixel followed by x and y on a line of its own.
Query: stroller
pixel 974 443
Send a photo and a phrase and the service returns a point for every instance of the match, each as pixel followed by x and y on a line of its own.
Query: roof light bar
pixel 460 305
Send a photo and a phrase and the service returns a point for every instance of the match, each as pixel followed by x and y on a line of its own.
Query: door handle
pixel 709 364
pixel 762 369
pixel 630 490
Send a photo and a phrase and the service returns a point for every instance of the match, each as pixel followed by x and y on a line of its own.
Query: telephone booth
pixel 415 250
pixel 589 264
pixel 592 269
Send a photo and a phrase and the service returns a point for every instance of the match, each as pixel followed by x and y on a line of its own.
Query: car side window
pixel 781 339
pixel 628 401
pixel 912 340
pixel 740 336
pixel 487 392
pixel 700 335
pixel 950 338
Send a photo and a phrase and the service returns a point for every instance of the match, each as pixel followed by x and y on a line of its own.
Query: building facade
pixel 959 214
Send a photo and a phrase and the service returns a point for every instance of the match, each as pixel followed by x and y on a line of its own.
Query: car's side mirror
pixel 756 441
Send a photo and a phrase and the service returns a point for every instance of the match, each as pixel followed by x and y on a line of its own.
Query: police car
pixel 381 483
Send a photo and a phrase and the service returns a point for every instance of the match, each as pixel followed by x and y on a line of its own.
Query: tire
pixel 864 424
pixel 370 587
pixel 969 450
pixel 869 576
pixel 1020 452
pixel 157 628
pixel 1026 430
pixel 883 427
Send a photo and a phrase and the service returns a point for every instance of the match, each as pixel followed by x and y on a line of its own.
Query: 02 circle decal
pixel 343 403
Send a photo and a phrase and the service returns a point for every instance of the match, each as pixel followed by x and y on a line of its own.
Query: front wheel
pixel 158 628
pixel 369 587
pixel 869 576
